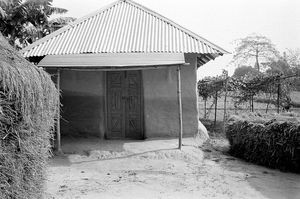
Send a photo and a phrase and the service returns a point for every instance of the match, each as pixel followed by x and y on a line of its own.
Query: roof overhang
pixel 204 58
pixel 112 60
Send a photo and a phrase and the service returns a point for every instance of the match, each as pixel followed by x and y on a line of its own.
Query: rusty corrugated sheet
pixel 122 27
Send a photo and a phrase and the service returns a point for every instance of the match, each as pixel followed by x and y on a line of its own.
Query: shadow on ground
pixel 271 183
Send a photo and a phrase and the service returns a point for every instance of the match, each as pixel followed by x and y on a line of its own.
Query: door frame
pixel 141 109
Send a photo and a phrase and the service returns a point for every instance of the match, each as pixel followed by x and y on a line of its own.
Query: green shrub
pixel 275 144
pixel 28 102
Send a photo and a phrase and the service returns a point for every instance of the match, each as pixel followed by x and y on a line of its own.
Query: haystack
pixel 273 143
pixel 28 103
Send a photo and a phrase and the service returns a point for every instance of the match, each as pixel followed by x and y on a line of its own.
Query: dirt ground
pixel 92 168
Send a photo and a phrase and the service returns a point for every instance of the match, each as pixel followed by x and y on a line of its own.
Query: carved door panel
pixel 115 105
pixel 124 105
pixel 133 122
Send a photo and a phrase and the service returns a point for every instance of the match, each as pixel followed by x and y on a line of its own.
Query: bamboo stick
pixel 225 103
pixel 216 106
pixel 58 135
pixel 205 108
pixel 278 96
pixel 179 105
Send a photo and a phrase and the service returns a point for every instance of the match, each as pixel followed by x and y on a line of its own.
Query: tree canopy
pixel 254 50
pixel 22 22
pixel 293 58
pixel 242 71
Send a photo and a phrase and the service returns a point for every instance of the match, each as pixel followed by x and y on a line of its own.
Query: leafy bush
pixel 275 144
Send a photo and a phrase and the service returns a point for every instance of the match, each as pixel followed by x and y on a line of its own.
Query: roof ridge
pixel 70 25
pixel 174 24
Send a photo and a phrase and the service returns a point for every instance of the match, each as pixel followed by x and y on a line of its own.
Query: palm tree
pixel 23 22
pixel 59 22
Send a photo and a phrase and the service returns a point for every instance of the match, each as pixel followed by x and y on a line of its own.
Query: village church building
pixel 125 72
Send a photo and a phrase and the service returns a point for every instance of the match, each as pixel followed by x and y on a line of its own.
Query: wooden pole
pixel 252 102
pixel 268 103
pixel 278 96
pixel 225 104
pixel 216 106
pixel 205 108
pixel 58 136
pixel 179 106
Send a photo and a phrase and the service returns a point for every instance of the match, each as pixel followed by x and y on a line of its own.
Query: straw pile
pixel 28 102
pixel 275 144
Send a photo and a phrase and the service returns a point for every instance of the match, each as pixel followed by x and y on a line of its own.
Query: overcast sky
pixel 219 21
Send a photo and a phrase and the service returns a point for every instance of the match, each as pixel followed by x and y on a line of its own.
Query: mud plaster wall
pixel 83 101
pixel 160 100
pixel 83 110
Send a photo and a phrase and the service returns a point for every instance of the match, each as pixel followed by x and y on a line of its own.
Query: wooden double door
pixel 124 105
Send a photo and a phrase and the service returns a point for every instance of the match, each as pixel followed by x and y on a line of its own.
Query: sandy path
pixel 155 169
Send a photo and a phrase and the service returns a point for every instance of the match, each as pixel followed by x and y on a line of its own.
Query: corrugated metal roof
pixel 122 27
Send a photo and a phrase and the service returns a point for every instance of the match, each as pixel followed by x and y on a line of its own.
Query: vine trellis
pixel 245 89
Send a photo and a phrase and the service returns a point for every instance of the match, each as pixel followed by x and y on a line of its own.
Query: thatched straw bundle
pixel 28 102
pixel 275 144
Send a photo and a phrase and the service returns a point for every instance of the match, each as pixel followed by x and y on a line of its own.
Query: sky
pixel 219 21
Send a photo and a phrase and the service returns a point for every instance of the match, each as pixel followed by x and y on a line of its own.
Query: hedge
pixel 275 144
pixel 28 103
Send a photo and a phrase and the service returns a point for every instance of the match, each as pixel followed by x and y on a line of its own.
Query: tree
pixel 59 22
pixel 280 67
pixel 35 33
pixel 254 49
pixel 293 58
pixel 289 67
pixel 242 71
pixel 21 20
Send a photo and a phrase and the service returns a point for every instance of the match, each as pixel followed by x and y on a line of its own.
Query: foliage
pixel 208 86
pixel 254 50
pixel 28 103
pixel 60 22
pixel 242 71
pixel 273 144
pixel 293 58
pixel 21 22
pixel 245 88
pixel 280 67
pixel 250 86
